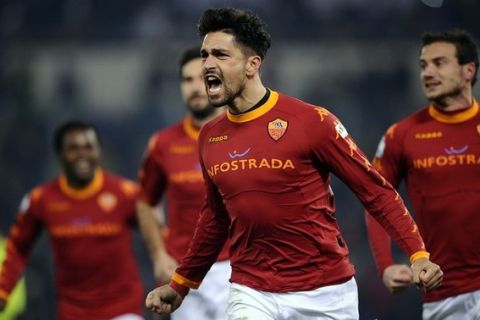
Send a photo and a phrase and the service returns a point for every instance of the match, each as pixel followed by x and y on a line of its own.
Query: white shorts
pixel 465 306
pixel 339 302
pixel 209 302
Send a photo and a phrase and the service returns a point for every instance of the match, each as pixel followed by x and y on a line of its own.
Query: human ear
pixel 253 65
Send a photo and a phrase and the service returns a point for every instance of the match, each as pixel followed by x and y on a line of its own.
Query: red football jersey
pixel 438 155
pixel 90 231
pixel 171 167
pixel 267 173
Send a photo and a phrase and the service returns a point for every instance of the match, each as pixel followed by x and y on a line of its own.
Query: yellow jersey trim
pixel 419 255
pixel 190 129
pixel 258 112
pixel 181 280
pixel 84 193
pixel 463 116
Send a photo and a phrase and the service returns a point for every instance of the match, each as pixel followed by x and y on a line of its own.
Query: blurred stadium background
pixel 114 63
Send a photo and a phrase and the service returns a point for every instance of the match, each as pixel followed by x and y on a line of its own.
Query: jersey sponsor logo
pixel 98 229
pixel 218 139
pixel 448 160
pixel 277 128
pixel 181 149
pixel 236 154
pixel 107 201
pixel 452 150
pixel 191 176
pixel 250 164
pixel 428 135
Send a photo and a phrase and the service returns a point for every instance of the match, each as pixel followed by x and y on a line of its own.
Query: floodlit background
pixel 114 63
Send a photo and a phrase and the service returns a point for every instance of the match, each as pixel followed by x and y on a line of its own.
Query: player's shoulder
pixel 44 190
pixel 299 107
pixel 293 105
pixel 39 193
pixel 120 184
pixel 400 128
pixel 418 117
pixel 307 113
pixel 212 124
pixel 165 135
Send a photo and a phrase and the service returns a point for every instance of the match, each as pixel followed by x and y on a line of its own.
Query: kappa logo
pixel 58 206
pixel 277 128
pixel 218 139
pixel 429 135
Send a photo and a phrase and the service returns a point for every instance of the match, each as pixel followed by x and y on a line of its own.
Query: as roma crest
pixel 107 201
pixel 277 128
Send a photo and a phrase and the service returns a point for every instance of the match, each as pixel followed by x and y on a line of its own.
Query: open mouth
pixel 82 166
pixel 214 84
pixel 431 85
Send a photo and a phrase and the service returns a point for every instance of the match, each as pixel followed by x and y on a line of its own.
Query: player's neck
pixel 253 92
pixel 462 100
pixel 75 183
pixel 199 122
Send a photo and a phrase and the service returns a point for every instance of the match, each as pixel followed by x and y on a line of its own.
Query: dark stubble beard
pixel 229 97
pixel 202 113
pixel 440 100
pixel 76 180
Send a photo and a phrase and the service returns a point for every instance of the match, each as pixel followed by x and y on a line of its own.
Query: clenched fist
pixel 163 300
pixel 426 274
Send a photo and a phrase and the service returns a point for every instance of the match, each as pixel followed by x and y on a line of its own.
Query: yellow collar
pixel 93 187
pixel 456 117
pixel 258 112
pixel 190 129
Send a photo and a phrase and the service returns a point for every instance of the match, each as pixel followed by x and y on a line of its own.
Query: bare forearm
pixel 150 229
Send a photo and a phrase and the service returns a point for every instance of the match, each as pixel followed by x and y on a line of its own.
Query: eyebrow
pixel 435 59
pixel 219 51
pixel 214 52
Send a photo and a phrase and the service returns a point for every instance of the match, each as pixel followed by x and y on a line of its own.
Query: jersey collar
pixel 257 112
pixel 455 117
pixel 93 187
pixel 190 129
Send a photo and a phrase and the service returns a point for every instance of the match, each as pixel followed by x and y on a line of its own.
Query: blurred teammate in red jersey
pixel 89 214
pixel 267 165
pixel 436 150
pixel 171 168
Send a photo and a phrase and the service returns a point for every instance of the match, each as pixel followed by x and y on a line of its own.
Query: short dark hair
pixel 187 56
pixel 463 42
pixel 247 28
pixel 67 127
